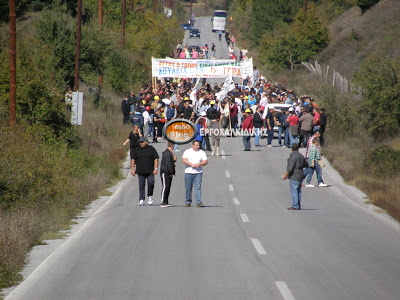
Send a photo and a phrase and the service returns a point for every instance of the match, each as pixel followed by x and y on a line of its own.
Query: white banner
pixel 228 86
pixel 201 68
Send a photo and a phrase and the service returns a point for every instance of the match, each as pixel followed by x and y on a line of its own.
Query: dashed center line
pixel 260 249
pixel 284 289
pixel 223 154
pixel 231 187
pixel 236 201
pixel 227 174
pixel 245 218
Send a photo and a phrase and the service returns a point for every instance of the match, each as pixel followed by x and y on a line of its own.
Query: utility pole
pixel 154 6
pixel 123 23
pixel 101 29
pixel 13 69
pixel 78 46
pixel 305 8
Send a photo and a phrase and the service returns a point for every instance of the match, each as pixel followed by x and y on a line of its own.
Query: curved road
pixel 244 244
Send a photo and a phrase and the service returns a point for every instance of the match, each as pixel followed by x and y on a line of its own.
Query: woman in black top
pixel 133 139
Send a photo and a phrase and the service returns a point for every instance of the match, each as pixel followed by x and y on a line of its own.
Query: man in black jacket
pixel 167 171
pixel 125 107
pixel 295 165
pixel 145 157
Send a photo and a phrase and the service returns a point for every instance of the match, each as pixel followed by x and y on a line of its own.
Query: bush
pixel 385 161
pixel 366 4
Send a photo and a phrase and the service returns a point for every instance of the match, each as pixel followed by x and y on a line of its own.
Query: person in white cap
pixel 206 137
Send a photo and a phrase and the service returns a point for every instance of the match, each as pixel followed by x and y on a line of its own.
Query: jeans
pixel 246 142
pixel 295 190
pixel 280 130
pixel 270 136
pixel 287 132
pixel 150 129
pixel 175 147
pixel 293 139
pixel 257 136
pixel 317 169
pixel 142 183
pixel 190 180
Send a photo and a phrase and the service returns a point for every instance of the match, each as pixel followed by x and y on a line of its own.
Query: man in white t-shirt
pixel 194 159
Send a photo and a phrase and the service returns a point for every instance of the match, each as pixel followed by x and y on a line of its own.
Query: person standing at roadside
pixel 258 124
pixel 167 171
pixel 194 159
pixel 306 126
pixel 145 157
pixel 294 172
pixel 270 125
pixel 323 125
pixel 133 139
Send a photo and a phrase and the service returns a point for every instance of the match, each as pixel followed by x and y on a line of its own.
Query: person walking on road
pixel 133 139
pixel 295 166
pixel 167 171
pixel 194 159
pixel 314 163
pixel 213 49
pixel 145 157
pixel 247 128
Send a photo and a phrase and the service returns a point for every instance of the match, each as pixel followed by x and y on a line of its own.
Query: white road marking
pixel 223 154
pixel 258 246
pixel 231 187
pixel 283 288
pixel 236 201
pixel 227 174
pixel 245 218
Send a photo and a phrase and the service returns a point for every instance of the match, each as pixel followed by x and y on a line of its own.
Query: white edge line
pixel 284 289
pixel 245 218
pixel 236 201
pixel 260 249
pixel 231 187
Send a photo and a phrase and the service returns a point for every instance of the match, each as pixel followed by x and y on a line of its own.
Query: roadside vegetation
pixel 363 132
pixel 50 169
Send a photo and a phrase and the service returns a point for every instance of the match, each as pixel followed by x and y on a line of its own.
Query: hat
pixel 143 139
pixel 147 107
pixel 203 114
pixel 156 98
pixel 248 110
pixel 186 98
pixel 246 97
pixel 144 102
pixel 291 109
pixel 212 102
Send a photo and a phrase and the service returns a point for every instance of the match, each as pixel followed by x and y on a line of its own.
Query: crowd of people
pixel 240 111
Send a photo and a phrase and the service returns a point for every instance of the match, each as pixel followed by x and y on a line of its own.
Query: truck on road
pixel 219 20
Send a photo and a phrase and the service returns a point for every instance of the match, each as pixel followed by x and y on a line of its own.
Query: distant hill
pixel 355 36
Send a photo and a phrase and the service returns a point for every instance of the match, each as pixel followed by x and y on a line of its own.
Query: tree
pixel 379 79
pixel 291 44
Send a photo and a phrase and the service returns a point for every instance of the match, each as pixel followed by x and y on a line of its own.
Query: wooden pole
pixel 154 6
pixel 305 8
pixel 13 69
pixel 78 46
pixel 101 29
pixel 123 23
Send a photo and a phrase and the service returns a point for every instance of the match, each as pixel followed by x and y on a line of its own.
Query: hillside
pixel 355 36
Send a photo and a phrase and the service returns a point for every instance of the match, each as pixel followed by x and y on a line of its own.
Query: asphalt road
pixel 244 244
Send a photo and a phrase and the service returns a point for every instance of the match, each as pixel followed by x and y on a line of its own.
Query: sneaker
pixel 270 146
pixel 150 201
pixel 322 184
pixel 141 202
pixel 187 205
pixel 177 150
pixel 200 205
pixel 165 205
pixel 310 185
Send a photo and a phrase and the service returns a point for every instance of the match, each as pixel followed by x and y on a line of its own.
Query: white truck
pixel 219 20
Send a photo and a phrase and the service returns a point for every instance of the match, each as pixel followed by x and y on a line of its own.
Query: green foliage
pixel 366 4
pixel 265 16
pixel 378 79
pixel 291 44
pixel 385 161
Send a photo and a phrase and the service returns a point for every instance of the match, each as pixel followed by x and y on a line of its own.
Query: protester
pixel 314 163
pixel 133 139
pixel 270 122
pixel 258 124
pixel 294 172
pixel 194 159
pixel 125 107
pixel 167 171
pixel 145 157
pixel 247 128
